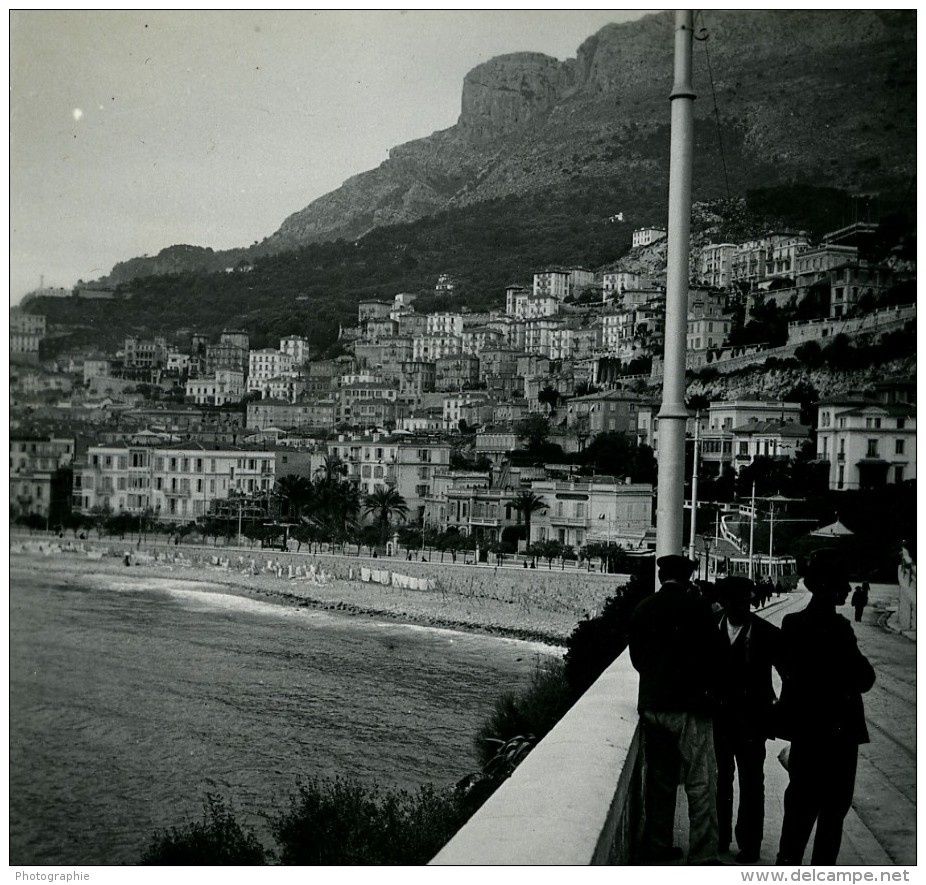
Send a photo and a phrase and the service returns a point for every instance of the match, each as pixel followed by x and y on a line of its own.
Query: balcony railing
pixel 576 521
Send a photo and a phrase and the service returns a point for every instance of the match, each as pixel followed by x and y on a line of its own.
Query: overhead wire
pixel 703 41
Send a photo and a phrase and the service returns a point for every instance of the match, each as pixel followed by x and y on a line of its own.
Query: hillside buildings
pixel 179 431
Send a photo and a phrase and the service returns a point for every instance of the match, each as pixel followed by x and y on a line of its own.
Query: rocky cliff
pixel 809 93
pixel 827 97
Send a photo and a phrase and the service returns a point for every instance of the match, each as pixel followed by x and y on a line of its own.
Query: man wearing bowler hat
pixel 673 646
pixel 824 675
pixel 749 647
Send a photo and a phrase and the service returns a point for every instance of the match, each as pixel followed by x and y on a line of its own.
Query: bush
pixel 343 822
pixel 216 841
pixel 596 643
pixel 532 713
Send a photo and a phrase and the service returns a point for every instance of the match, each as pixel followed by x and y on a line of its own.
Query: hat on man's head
pixel 733 588
pixel 825 566
pixel 676 566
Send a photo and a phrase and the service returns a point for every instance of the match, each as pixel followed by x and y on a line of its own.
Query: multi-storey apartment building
pixel 407 464
pixel 26 333
pixel 456 372
pixel 297 347
pixel 373 310
pixel 854 280
pixel 265 364
pixel 409 325
pixel 362 402
pixel 555 284
pixel 416 378
pixel 614 283
pixel 142 354
pixel 495 442
pixel 736 431
pixel 175 483
pixel 646 236
pixel 445 324
pixel 605 411
pixel 783 256
pixel 705 333
pixel 498 361
pixel 463 499
pixel 538 334
pixel 35 462
pixel 473 407
pixel 601 509
pixel 429 348
pixel 290 386
pixel 814 264
pixel 227 354
pixel 511 330
pixel 225 386
pixel 476 339
pixel 715 267
pixel 750 260
pixel 867 444
pixel 523 304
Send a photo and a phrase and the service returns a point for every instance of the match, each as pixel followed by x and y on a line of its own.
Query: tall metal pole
pixel 673 414
pixel 771 534
pixel 752 525
pixel 694 491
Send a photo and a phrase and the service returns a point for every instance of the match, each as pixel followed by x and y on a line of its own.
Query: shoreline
pixel 510 615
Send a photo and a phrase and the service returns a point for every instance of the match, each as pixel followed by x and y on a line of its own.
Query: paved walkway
pixel 880 829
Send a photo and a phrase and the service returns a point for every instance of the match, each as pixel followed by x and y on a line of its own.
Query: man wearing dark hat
pixel 750 647
pixel 824 675
pixel 673 646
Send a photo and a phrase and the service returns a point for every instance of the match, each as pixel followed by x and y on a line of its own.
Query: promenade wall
pixel 577 798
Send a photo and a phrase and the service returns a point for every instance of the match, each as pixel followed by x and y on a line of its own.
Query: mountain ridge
pixel 531 124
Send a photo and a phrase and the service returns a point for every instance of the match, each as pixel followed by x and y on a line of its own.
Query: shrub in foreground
pixel 341 821
pixel 596 643
pixel 530 714
pixel 217 840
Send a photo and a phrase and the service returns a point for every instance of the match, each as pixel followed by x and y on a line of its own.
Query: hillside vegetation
pixel 313 290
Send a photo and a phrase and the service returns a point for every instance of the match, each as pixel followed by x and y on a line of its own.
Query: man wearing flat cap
pixel 744 693
pixel 673 646
pixel 824 675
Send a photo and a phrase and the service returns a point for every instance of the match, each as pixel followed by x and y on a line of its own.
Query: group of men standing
pixel 707 706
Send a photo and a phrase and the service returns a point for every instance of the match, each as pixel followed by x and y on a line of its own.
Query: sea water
pixel 131 699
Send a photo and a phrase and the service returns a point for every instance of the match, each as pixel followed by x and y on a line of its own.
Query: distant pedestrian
pixel 859 601
pixel 824 675
pixel 674 647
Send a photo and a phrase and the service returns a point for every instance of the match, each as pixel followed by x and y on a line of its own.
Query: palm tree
pixel 527 503
pixel 296 491
pixel 335 506
pixel 385 503
pixel 550 396
pixel 333 468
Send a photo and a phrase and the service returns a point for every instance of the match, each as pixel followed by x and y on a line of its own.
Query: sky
pixel 133 131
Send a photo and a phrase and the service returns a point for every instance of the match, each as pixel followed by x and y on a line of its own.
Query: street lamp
pixel 706 541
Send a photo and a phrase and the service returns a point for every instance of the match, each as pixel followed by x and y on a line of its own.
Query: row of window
pixel 176 464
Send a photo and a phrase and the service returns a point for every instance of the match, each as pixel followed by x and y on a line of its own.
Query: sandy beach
pixel 538 605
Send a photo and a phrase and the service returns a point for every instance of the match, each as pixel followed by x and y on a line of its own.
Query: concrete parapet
pixel 576 799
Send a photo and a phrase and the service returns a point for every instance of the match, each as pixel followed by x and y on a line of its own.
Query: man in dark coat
pixel 824 675
pixel 750 647
pixel 673 646
pixel 859 601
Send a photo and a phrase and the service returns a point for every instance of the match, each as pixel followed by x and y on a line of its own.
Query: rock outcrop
pixel 782 81
pixel 821 96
